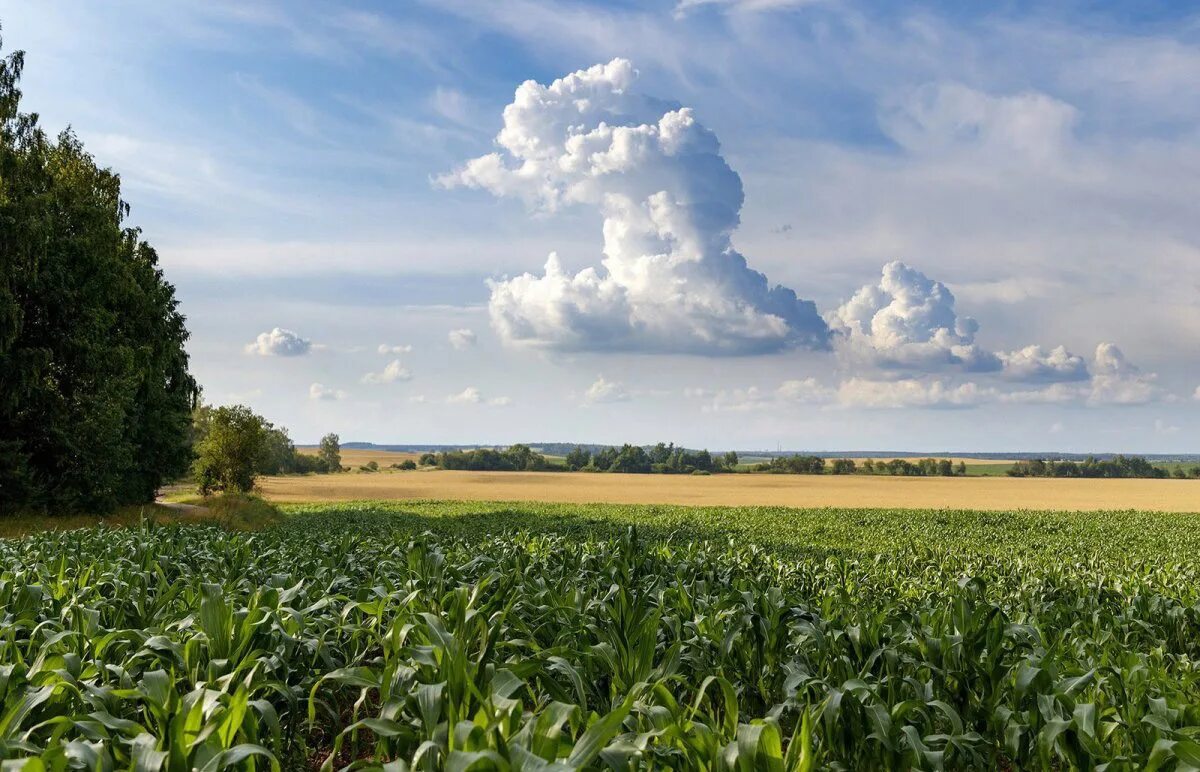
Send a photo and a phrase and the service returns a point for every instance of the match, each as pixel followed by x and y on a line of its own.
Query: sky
pixel 752 224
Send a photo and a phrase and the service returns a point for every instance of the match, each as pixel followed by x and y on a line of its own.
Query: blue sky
pixel 940 187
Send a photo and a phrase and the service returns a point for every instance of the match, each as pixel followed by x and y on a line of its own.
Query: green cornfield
pixel 555 637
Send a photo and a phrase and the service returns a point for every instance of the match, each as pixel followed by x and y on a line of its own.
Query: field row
pixel 536 637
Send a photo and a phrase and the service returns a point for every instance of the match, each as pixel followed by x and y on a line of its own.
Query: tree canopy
pixel 95 393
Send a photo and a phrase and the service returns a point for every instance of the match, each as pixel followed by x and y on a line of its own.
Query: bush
pixel 406 465
pixel 229 454
pixel 701 473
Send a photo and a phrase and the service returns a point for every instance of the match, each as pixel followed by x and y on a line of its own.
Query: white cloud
pixel 908 321
pixel 1196 394
pixel 468 396
pixel 948 118
pixel 1033 363
pixel 747 6
pixel 670 280
pixel 1116 381
pixel 321 392
pixel 603 390
pixel 394 371
pixel 387 349
pixel 910 392
pixel 462 339
pixel 1162 427
pixel 805 391
pixel 473 396
pixel 279 343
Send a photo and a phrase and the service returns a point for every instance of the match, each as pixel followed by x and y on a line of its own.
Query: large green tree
pixel 95 394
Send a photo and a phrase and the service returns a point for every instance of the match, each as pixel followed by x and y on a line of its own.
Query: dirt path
pixel 181 508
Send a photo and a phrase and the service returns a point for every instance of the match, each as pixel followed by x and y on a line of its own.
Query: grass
pixel 476 635
pixel 232 511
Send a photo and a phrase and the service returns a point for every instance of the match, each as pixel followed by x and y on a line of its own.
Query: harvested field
pixel 355 458
pixel 980 493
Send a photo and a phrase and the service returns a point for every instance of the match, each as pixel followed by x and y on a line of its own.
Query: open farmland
pixel 994 493
pixel 356 457
pixel 535 637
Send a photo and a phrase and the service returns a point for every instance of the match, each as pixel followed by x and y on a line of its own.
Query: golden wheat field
pixel 994 493
pixel 354 458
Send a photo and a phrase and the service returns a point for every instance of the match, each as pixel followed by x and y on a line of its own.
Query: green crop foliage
pixel 554 637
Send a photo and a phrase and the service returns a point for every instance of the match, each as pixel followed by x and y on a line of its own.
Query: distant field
pixel 354 458
pixel 980 493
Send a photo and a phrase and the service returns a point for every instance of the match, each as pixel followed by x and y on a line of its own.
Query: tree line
pixel 1115 467
pixel 95 392
pixel 659 459
pixel 900 467
pixel 517 458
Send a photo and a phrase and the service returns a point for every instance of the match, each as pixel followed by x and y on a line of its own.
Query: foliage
pixel 231 452
pixel 793 465
pixel 843 466
pixel 925 467
pixel 95 394
pixel 659 459
pixel 330 452
pixel 518 458
pixel 1116 467
pixel 467 636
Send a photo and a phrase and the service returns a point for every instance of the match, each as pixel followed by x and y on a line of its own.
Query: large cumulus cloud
pixel 670 280
pixel 908 322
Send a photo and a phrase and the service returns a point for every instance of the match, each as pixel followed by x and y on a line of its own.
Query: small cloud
pixel 1035 364
pixel 1056 427
pixel 1196 394
pixel 468 396
pixel 321 392
pixel 911 392
pixel 462 339
pixel 806 391
pixel 605 391
pixel 391 350
pixel 418 399
pixel 279 343
pixel 394 371
pixel 1117 381
pixel 1162 427
pixel 738 401
pixel 473 396
pixel 785 228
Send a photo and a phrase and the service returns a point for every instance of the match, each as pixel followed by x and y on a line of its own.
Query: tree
pixel 279 453
pixel 330 452
pixel 578 458
pixel 229 455
pixel 843 466
pixel 632 459
pixel 731 460
pixel 95 393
